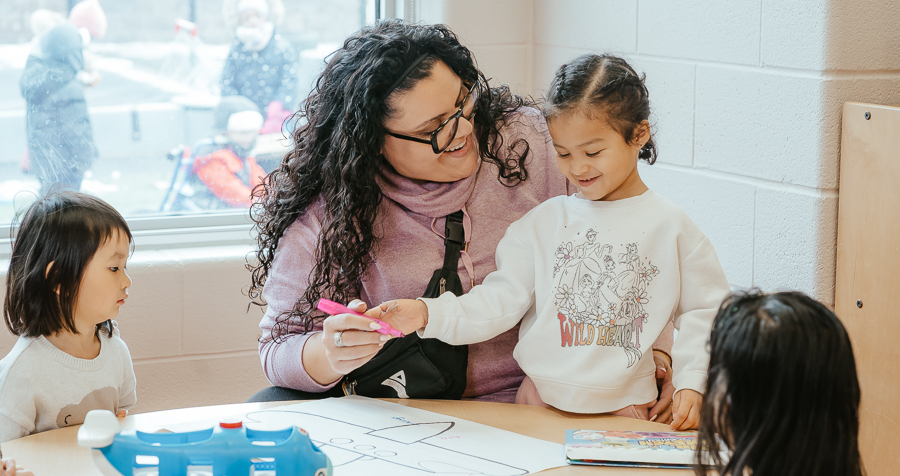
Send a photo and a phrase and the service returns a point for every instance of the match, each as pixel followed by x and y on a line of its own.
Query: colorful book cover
pixel 631 448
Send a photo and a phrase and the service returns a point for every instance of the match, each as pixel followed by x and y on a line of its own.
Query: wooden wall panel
pixel 868 271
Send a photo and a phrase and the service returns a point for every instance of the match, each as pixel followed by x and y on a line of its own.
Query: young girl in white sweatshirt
pixel 593 277
pixel 66 283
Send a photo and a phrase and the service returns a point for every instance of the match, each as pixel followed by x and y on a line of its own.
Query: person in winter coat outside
pixel 261 65
pixel 60 137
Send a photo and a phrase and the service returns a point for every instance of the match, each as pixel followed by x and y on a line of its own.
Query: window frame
pixel 174 231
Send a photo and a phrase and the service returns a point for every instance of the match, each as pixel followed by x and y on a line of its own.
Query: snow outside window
pixel 171 111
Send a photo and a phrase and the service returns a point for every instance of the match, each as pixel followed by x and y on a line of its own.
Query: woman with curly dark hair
pixel 400 131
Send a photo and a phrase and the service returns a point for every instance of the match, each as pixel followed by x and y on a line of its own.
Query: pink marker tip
pixel 331 307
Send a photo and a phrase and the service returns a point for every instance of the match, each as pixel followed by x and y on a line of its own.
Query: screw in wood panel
pixel 868 116
pixel 859 303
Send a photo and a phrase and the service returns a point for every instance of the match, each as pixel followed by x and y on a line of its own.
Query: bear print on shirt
pixel 105 398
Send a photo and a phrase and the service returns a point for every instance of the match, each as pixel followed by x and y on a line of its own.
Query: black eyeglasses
pixel 443 136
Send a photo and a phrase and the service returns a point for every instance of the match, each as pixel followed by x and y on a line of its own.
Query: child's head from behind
pixel 598 111
pixel 782 394
pixel 67 268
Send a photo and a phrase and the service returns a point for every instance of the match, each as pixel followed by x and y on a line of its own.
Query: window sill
pixel 184 231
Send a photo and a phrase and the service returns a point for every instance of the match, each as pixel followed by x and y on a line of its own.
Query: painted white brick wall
pixel 747 107
pixel 724 32
pixel 762 124
pixel 499 33
pixel 792 34
pixel 586 24
pixel 862 35
pixel 795 239
pixel 672 86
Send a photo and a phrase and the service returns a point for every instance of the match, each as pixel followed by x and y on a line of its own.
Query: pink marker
pixel 333 308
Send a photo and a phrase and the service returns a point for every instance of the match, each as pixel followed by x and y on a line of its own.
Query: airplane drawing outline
pixel 401 443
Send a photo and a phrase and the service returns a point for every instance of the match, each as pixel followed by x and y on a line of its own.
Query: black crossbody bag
pixel 412 367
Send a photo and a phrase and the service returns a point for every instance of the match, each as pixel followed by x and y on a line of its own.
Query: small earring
pixel 645 153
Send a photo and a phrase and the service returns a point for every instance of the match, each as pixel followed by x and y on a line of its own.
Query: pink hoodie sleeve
pixel 288 278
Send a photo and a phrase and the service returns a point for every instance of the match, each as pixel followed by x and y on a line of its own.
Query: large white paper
pixel 372 437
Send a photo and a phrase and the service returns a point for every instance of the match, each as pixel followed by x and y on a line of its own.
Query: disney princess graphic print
pixel 600 298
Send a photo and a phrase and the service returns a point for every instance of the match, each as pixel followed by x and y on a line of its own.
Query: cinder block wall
pixel 499 32
pixel 747 99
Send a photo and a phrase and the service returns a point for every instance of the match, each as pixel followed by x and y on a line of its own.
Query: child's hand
pixel 405 315
pixel 8 468
pixel 662 410
pixel 686 410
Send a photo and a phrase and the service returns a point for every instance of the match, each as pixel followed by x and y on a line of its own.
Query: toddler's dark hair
pixel 602 87
pixel 64 228
pixel 782 395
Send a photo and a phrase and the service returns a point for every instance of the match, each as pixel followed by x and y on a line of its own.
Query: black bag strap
pixel 446 378
pixel 454 240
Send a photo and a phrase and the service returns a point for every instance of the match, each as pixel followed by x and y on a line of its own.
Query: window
pixel 124 100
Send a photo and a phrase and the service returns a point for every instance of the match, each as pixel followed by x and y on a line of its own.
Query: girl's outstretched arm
pixel 498 303
pixel 703 287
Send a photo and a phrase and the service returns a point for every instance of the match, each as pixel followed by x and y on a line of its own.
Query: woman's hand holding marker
pixel 334 308
pixel 348 339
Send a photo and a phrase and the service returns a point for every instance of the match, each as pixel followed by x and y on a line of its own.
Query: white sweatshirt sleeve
pixel 491 308
pixel 703 288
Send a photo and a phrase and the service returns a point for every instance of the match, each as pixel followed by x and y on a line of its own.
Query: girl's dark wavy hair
pixel 64 228
pixel 337 154
pixel 602 87
pixel 782 395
